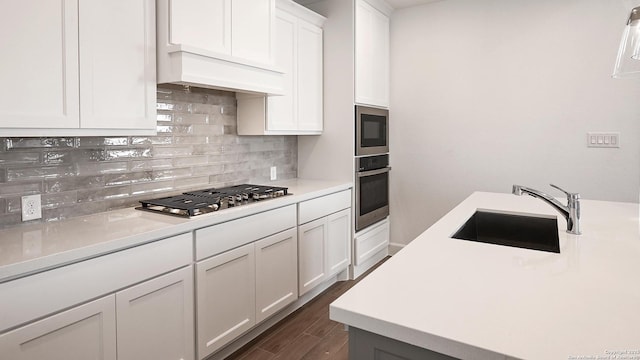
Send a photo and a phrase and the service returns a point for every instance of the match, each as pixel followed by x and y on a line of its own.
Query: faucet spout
pixel 571 212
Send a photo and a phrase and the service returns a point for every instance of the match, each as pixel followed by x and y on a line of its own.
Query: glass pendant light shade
pixel 628 61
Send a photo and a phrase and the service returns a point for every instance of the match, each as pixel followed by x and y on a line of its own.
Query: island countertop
pixel 474 300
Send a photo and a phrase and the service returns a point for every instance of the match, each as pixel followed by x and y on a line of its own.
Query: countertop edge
pixel 610 228
pixel 312 189
pixel 424 340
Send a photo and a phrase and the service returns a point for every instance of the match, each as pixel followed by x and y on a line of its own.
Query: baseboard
pixel 395 247
pixel 358 270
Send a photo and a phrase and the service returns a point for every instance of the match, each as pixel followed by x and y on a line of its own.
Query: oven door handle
pixel 373 172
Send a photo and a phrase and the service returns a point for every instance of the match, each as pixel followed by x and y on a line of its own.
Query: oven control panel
pixel 374 162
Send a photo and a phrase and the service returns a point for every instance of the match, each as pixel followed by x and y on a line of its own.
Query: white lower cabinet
pixel 324 244
pixel 276 273
pixel 155 319
pixel 338 241
pixel 149 296
pixel 370 246
pixel 144 308
pixel 312 254
pixel 239 288
pixel 323 249
pixel 371 241
pixel 225 298
pixel 85 332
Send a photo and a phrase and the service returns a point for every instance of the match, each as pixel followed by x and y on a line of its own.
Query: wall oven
pixel 372 131
pixel 372 190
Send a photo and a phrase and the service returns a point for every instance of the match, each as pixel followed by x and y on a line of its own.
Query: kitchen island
pixel 472 300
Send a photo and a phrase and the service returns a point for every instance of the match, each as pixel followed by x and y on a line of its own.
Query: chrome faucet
pixel 571 212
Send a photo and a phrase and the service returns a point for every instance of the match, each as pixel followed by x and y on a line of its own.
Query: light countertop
pixel 32 248
pixel 480 301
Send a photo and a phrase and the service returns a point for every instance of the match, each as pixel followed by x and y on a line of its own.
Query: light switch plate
pixel 603 139
pixel 31 207
pixel 274 173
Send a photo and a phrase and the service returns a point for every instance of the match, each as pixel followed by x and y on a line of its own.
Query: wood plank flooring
pixel 307 334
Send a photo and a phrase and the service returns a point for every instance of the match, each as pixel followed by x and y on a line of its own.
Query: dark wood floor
pixel 307 334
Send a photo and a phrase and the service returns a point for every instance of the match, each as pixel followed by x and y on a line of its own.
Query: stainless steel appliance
pixel 372 131
pixel 200 202
pixel 372 190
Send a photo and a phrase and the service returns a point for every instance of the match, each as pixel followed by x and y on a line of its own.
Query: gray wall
pixel 485 94
pixel 197 146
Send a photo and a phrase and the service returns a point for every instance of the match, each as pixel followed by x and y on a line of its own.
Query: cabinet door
pixel 311 254
pixel 39 72
pixel 252 34
pixel 156 318
pixel 281 110
pixel 276 273
pixel 309 77
pixel 225 300
pixel 84 332
pixel 201 24
pixel 117 64
pixel 338 241
pixel 372 56
pixel 370 242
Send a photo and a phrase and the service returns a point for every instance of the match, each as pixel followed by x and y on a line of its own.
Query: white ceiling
pixel 396 4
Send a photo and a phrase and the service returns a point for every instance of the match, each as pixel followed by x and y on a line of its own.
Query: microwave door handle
pixel 373 172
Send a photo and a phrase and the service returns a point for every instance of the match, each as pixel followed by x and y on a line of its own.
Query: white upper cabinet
pixel 371 56
pixel 39 69
pixel 281 110
pixel 252 30
pixel 298 52
pixel 75 73
pixel 117 64
pixel 309 77
pixel 223 44
pixel 208 29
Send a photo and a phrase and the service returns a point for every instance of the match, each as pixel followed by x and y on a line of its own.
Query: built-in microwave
pixel 372 131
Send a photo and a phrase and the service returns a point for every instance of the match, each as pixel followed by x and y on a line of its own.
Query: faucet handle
pixel 570 195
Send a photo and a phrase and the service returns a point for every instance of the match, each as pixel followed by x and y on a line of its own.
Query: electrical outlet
pixel 274 173
pixel 31 207
pixel 603 139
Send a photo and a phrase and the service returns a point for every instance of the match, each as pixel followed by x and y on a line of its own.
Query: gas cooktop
pixel 200 202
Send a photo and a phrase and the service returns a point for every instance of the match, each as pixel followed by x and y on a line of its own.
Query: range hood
pixel 227 45
pixel 195 67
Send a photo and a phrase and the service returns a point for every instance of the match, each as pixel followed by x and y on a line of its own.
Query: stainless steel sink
pixel 529 231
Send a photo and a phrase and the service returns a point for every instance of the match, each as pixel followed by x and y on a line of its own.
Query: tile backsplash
pixel 196 146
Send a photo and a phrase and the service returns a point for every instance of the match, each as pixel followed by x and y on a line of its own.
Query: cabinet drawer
pixel 316 208
pixel 371 242
pixel 219 238
pixel 22 300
